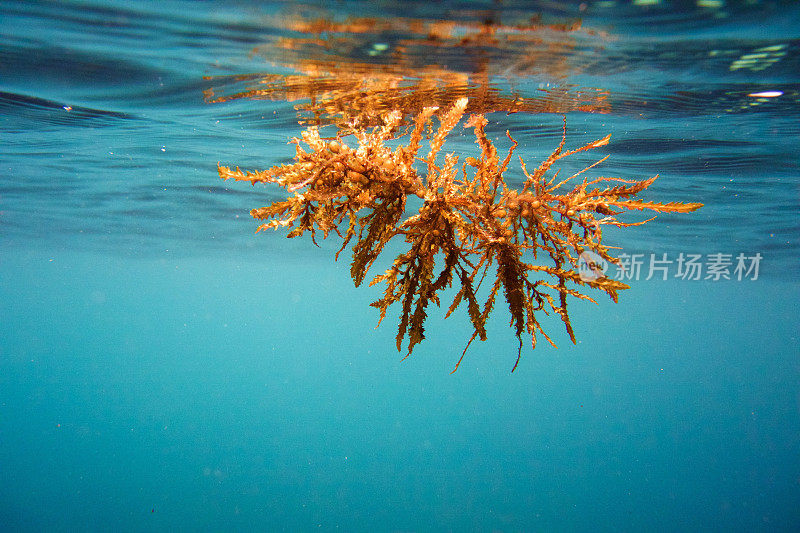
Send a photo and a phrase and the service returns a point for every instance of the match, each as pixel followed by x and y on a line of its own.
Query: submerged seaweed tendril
pixel 471 227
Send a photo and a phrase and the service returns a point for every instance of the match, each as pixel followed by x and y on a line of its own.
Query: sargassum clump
pixel 472 228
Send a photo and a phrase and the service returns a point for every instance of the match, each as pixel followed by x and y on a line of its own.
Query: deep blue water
pixel 163 368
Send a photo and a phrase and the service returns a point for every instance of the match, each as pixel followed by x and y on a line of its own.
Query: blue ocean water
pixel 163 368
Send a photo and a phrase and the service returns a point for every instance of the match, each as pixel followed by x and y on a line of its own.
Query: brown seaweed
pixel 472 230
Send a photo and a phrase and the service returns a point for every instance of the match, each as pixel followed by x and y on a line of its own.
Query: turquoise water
pixel 163 368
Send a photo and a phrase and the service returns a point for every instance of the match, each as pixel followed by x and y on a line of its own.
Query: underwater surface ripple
pixel 135 134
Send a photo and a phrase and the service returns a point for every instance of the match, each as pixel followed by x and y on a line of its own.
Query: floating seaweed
pixel 471 228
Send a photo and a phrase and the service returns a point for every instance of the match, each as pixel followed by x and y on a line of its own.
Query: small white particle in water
pixel 766 94
pixel 67 108
pixel 163 148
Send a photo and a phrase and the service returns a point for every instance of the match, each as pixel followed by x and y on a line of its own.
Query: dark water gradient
pixel 162 368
